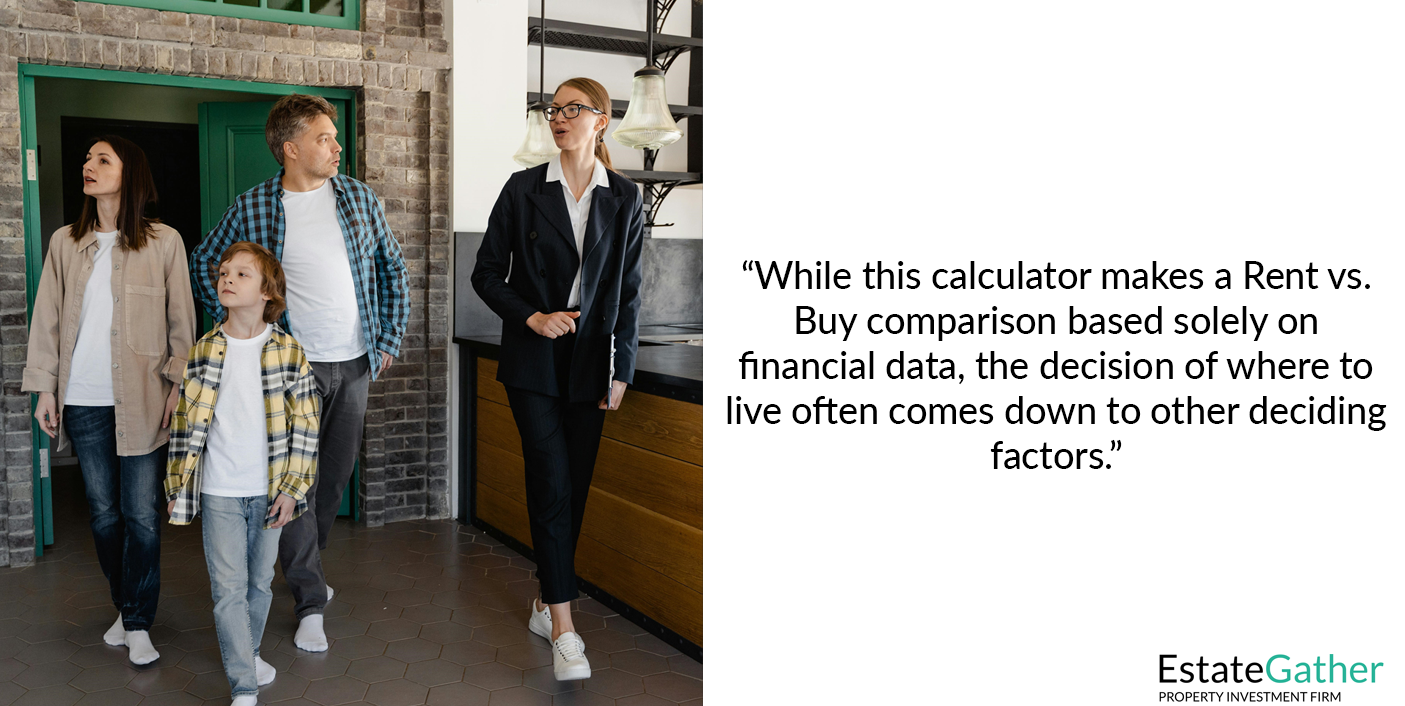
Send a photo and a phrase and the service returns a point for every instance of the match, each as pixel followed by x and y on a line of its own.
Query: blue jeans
pixel 124 493
pixel 240 554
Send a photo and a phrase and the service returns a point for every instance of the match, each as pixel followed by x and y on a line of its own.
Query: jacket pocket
pixel 145 320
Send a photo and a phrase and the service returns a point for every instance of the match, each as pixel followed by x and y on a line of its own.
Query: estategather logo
pixel 1278 669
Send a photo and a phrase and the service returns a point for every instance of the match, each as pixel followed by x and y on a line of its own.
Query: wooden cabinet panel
pixel 661 483
pixel 488 385
pixel 669 546
pixel 504 513
pixel 653 594
pixel 502 471
pixel 665 426
pixel 497 427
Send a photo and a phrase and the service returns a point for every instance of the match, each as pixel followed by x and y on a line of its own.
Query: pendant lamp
pixel 648 124
pixel 538 147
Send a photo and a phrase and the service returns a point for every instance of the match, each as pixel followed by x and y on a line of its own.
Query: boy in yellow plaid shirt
pixel 244 451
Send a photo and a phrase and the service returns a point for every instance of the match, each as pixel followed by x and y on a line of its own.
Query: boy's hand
pixel 283 507
pixel 170 508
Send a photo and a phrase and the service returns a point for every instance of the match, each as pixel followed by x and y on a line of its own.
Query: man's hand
pixel 555 324
pixel 616 395
pixel 171 401
pixel 386 360
pixel 282 507
pixel 170 508
pixel 46 411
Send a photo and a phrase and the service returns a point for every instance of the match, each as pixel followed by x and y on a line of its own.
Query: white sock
pixel 310 636
pixel 116 635
pixel 264 671
pixel 329 594
pixel 245 701
pixel 139 648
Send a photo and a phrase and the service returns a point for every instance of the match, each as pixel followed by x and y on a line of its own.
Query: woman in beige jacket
pixel 113 323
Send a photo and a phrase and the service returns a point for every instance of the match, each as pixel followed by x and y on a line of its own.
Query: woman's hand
pixel 171 401
pixel 555 324
pixel 283 508
pixel 616 395
pixel 46 411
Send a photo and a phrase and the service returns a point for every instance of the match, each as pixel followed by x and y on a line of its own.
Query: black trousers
pixel 560 440
pixel 343 387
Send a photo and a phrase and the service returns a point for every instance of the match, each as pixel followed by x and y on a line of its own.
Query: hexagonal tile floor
pixel 426 612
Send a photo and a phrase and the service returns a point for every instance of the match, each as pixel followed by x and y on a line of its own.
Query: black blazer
pixel 528 262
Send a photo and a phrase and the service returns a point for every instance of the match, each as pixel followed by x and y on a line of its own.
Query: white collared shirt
pixel 579 212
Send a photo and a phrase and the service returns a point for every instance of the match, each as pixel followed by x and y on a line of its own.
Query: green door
pixel 34 261
pixel 234 157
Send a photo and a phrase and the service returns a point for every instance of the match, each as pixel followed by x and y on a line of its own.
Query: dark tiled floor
pixel 424 613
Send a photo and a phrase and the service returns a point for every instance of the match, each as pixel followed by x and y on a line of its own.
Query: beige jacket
pixel 153 327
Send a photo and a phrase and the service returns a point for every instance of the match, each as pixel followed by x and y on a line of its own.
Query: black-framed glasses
pixel 571 111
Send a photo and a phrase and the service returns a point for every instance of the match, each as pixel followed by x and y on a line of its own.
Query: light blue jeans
pixel 240 554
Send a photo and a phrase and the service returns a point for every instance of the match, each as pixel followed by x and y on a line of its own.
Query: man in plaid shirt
pixel 348 303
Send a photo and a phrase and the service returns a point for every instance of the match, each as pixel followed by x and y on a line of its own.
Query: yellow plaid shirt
pixel 291 407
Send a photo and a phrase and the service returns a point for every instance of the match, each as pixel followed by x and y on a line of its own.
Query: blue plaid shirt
pixel 377 267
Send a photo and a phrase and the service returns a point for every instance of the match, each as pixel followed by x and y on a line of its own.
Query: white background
pixel 892 564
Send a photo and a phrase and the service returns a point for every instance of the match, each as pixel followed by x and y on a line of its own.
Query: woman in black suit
pixel 560 264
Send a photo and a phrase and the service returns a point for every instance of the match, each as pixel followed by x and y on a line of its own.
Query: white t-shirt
pixel 236 455
pixel 90 375
pixel 321 292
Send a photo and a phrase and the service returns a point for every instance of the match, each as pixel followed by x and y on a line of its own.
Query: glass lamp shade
pixel 538 147
pixel 648 125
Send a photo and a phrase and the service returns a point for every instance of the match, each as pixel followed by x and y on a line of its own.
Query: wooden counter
pixel 641 542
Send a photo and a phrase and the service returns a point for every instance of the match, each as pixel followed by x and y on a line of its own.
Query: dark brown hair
pixel 273 285
pixel 600 100
pixel 137 192
pixel 290 116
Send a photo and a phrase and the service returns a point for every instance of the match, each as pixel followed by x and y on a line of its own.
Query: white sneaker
pixel 540 622
pixel 568 659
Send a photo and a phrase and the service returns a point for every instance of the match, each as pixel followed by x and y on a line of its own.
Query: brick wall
pixel 398 64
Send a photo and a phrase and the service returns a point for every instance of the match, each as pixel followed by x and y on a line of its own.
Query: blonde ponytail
pixel 602 152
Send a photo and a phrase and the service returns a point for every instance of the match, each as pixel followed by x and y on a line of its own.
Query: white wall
pixel 488 102
pixel 487 105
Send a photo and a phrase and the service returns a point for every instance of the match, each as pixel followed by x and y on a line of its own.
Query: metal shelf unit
pixel 611 40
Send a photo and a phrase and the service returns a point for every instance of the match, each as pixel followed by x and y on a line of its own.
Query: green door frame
pixel 34 258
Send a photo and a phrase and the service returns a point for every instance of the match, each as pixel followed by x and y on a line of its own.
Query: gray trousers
pixel 343 387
